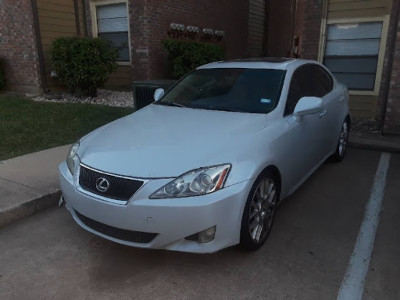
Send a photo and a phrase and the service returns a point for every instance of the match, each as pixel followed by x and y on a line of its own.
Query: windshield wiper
pixel 171 104
pixel 231 109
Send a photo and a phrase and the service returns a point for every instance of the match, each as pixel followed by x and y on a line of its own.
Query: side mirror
pixel 308 106
pixel 158 93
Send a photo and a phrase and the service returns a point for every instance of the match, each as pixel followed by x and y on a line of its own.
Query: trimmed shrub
pixel 2 75
pixel 83 64
pixel 184 56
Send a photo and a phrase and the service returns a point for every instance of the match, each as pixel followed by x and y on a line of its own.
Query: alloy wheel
pixel 343 139
pixel 262 210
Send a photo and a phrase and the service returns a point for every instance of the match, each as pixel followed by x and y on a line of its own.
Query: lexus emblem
pixel 102 184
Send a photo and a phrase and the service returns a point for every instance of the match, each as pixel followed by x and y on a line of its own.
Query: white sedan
pixel 205 166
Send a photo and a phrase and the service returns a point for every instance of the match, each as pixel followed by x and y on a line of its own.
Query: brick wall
pixel 392 120
pixel 18 46
pixel 140 29
pixel 298 25
pixel 311 29
pixel 150 20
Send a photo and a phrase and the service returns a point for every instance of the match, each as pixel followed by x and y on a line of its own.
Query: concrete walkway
pixel 29 183
pixel 375 141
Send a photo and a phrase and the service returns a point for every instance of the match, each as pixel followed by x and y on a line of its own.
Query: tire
pixel 342 143
pixel 259 211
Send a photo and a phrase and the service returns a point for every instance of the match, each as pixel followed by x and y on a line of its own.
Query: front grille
pixel 118 233
pixel 119 188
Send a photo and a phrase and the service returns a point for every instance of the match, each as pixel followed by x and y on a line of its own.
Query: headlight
pixel 72 158
pixel 194 183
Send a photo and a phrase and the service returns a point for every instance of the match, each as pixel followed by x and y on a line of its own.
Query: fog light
pixel 207 235
pixel 204 236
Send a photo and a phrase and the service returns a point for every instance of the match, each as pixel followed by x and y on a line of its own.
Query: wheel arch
pixel 348 120
pixel 277 174
pixel 246 241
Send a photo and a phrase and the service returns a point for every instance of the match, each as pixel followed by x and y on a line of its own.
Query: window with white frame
pixel 352 53
pixel 112 25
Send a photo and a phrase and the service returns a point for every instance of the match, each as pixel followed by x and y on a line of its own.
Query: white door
pixel 304 139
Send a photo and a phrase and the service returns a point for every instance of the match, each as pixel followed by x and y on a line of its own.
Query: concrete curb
pixel 29 208
pixel 374 144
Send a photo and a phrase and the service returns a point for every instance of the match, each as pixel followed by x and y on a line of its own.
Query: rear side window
pixel 308 80
pixel 323 82
pixel 300 86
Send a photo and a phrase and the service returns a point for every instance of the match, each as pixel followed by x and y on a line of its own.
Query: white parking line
pixel 353 282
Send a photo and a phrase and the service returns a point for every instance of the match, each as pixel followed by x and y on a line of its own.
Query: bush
pixel 184 56
pixel 2 75
pixel 83 64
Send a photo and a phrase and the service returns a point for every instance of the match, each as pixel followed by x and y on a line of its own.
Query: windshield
pixel 241 90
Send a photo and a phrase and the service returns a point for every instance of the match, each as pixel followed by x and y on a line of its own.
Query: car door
pixel 333 103
pixel 304 146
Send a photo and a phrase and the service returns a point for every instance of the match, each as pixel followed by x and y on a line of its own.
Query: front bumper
pixel 171 220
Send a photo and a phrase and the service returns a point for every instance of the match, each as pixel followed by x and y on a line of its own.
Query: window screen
pixel 352 52
pixel 112 25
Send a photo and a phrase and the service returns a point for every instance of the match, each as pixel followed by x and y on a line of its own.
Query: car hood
pixel 161 142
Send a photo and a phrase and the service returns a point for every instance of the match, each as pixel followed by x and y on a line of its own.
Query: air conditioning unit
pixel 143 91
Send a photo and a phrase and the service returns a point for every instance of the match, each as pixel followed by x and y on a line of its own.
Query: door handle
pixel 341 98
pixel 323 113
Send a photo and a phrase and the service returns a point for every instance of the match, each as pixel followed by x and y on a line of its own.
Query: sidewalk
pixel 29 183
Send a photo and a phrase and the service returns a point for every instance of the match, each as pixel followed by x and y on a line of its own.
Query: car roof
pixel 279 63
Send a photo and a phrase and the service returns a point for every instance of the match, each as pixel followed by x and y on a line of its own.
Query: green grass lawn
pixel 27 126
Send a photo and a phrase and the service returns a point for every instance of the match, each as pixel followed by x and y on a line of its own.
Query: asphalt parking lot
pixel 307 256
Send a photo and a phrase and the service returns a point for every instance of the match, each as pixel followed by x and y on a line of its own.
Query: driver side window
pixel 298 89
pixel 307 80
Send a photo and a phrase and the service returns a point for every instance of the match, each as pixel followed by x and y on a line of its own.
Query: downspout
pixel 39 46
pixel 77 23
pixel 391 50
pixel 294 16
pixel 84 18
pixel 322 41
pixel 266 28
